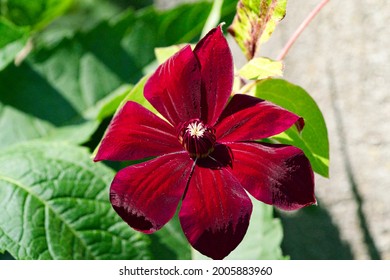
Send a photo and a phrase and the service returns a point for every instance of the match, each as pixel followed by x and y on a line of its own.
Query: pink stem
pixel 300 29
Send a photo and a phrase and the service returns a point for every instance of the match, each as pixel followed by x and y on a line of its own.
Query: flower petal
pixel 248 118
pixel 216 66
pixel 215 212
pixel 146 195
pixel 136 133
pixel 174 88
pixel 274 174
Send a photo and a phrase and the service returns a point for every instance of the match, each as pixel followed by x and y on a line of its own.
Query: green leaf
pixel 213 18
pixel 254 23
pixel 107 106
pixel 170 243
pixel 260 68
pixel 74 134
pixel 55 205
pixel 262 240
pixel 136 94
pixel 19 127
pixel 163 53
pixel 37 13
pixel 313 140
pixel 12 41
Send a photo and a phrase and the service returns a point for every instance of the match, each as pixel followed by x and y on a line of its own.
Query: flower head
pixel 205 152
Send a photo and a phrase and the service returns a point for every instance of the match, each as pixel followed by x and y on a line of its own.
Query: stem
pixel 300 29
pixel 248 87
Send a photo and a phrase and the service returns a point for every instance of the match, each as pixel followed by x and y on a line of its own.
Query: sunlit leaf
pixel 313 140
pixel 163 53
pixel 260 68
pixel 254 23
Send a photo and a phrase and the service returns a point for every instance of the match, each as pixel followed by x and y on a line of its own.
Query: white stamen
pixel 196 129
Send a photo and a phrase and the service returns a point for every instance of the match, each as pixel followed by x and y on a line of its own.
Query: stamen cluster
pixel 197 138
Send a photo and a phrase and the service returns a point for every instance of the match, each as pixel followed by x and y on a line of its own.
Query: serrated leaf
pixel 313 140
pixel 254 23
pixel 12 41
pixel 55 206
pixel 262 240
pixel 260 68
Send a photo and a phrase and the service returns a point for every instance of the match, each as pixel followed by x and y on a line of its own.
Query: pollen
pixel 197 138
pixel 196 129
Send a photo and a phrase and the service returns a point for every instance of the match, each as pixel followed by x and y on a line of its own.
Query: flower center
pixel 197 138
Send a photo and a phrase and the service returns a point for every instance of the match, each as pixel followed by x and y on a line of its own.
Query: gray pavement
pixel 343 60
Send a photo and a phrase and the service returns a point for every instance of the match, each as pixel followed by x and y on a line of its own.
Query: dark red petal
pixel 274 174
pixel 136 133
pixel 249 118
pixel 174 88
pixel 215 212
pixel 216 64
pixel 146 195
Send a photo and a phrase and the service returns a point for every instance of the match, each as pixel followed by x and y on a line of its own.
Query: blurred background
pixel 343 60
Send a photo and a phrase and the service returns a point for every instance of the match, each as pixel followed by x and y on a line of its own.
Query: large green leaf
pixel 54 205
pixel 263 238
pixel 254 23
pixel 313 140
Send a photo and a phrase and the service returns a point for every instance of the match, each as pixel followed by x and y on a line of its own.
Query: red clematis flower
pixel 205 152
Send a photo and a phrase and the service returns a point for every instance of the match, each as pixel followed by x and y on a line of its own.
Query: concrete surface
pixel 343 60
